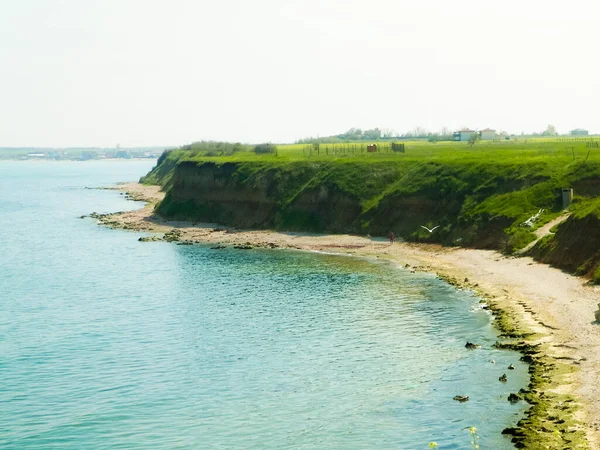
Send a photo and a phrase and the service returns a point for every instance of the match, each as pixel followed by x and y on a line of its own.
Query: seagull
pixel 431 230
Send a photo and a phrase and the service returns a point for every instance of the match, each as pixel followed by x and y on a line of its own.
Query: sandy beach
pixel 558 308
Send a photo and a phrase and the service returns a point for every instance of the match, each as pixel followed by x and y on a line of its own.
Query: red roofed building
pixel 488 134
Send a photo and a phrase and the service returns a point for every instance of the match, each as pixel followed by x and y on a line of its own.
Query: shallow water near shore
pixel 106 342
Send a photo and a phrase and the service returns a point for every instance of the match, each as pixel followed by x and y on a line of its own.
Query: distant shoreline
pixel 547 313
pixel 76 160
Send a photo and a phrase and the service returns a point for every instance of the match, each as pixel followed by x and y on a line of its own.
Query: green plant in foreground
pixel 474 437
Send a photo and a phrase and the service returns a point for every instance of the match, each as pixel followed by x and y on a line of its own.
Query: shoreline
pixel 540 311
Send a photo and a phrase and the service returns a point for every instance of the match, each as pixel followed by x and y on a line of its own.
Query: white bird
pixel 431 230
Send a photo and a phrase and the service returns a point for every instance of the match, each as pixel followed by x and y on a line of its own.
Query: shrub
pixel 265 148
pixel 518 240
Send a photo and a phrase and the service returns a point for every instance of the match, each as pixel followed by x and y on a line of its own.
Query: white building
pixel 463 135
pixel 488 134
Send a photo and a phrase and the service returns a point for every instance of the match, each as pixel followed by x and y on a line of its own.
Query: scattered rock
pixel 492 361
pixel 503 378
pixel 246 246
pixel 471 346
pixel 511 367
pixel 461 398
pixel 149 239
pixel 172 236
pixel 218 247
pixel 514 398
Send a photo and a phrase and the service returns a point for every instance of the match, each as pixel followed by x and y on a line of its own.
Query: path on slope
pixel 544 231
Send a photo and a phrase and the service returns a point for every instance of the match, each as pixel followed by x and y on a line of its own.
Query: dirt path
pixel 544 231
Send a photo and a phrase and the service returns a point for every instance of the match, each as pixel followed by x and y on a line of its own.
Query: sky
pixel 157 72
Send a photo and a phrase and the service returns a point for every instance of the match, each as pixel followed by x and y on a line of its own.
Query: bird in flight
pixel 431 230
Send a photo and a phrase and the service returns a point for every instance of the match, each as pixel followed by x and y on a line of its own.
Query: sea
pixel 111 343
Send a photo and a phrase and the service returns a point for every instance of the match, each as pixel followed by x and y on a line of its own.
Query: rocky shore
pixel 542 312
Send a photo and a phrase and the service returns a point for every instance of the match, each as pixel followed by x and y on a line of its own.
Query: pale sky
pixel 169 72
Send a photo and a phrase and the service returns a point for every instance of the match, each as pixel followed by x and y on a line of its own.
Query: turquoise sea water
pixel 109 343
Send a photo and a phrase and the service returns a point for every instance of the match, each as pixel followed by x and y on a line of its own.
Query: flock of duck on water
pixel 503 378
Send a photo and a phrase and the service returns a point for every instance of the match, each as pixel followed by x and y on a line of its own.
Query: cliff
pixel 475 204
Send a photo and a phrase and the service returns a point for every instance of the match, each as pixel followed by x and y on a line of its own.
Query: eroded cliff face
pixel 574 248
pixel 339 198
pixel 261 198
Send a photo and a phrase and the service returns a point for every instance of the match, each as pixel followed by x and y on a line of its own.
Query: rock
pixel 173 235
pixel 218 247
pixel 597 314
pixel 514 398
pixel 246 246
pixel 503 378
pixel 471 346
pixel 466 280
pixel 148 239
pixel 511 367
pixel 492 361
pixel 527 359
pixel 461 398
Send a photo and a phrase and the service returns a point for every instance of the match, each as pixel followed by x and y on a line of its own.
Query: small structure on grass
pixel 488 134
pixel 463 135
pixel 372 148
pixel 398 147
pixel 567 197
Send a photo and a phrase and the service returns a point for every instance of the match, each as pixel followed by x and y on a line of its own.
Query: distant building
pixel 463 135
pixel 87 155
pixel 488 134
pixel 579 132
pixel 122 154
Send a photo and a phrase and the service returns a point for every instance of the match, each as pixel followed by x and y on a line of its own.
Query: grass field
pixel 554 151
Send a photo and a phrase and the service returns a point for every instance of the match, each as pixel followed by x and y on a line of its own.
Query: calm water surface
pixel 109 343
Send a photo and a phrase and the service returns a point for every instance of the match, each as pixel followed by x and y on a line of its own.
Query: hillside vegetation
pixel 478 195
